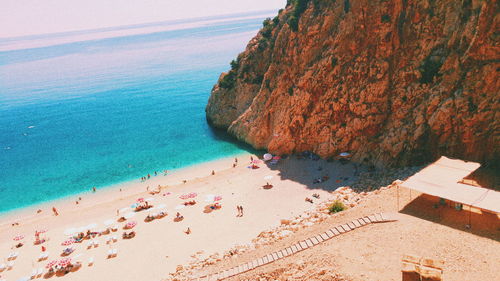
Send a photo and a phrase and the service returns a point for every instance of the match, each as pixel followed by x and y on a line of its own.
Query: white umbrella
pixel 268 177
pixel 129 215
pixel 109 222
pixel 209 198
pixel 268 156
pixel 70 231
pixel 178 207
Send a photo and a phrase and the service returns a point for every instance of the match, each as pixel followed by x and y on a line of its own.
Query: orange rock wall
pixel 393 82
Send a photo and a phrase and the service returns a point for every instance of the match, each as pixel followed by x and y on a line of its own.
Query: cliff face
pixel 391 81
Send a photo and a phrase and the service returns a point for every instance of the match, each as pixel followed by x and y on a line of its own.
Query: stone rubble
pixel 320 212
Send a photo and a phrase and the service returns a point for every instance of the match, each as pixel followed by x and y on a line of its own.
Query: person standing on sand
pixel 251 158
pixel 213 172
pixel 149 176
pixel 93 189
pixel 241 211
pixel 54 210
pixel 235 160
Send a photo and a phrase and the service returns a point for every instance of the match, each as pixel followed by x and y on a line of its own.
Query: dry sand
pixel 374 252
pixel 161 245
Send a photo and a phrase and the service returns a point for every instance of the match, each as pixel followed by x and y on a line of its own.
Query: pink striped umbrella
pixel 68 242
pixel 217 198
pixel 131 224
pixel 192 195
pixel 140 200
pixel 184 196
pixel 51 264
pixel 64 262
pixel 18 237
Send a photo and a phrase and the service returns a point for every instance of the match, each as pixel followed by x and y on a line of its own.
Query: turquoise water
pixel 99 112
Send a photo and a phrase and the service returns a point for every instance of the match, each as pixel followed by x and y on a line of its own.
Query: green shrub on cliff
pixel 336 207
pixel 299 6
pixel 229 80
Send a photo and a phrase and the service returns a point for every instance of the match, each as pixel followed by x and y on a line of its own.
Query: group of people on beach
pixel 165 172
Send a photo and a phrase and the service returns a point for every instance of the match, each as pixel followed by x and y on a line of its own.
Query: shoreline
pixel 104 194
pixel 165 241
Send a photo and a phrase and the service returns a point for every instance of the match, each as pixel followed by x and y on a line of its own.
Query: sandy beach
pixel 161 245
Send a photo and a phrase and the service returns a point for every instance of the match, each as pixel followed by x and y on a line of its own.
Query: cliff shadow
pixel 444 212
pixel 223 135
pixel 329 175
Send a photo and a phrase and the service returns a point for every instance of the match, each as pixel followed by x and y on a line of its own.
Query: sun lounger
pixel 115 238
pixel 112 253
pixel 2 267
pixel 10 265
pixel 39 272
pixel 91 261
pixel 43 256
pixel 12 256
pixel 33 274
pixel 107 240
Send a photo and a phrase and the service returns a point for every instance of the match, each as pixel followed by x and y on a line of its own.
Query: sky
pixel 30 17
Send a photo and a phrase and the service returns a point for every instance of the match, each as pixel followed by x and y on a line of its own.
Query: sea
pixel 101 107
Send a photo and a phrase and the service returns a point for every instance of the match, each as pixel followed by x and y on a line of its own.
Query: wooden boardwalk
pixel 297 247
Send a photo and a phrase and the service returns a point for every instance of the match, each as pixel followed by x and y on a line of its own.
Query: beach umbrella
pixel 268 156
pixel 68 242
pixel 268 177
pixel 70 231
pixel 255 161
pixel 41 231
pixel 133 206
pixel 140 200
pixel 109 222
pixel 130 224
pixel 124 209
pixel 51 264
pixel 192 194
pixel 18 237
pixel 77 257
pixel 64 262
pixel 217 198
pixel 184 196
pixel 129 215
pixel 276 157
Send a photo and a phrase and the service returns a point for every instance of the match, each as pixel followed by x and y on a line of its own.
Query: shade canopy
pixel 442 179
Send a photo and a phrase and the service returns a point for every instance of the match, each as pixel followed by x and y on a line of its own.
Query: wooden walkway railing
pixel 299 246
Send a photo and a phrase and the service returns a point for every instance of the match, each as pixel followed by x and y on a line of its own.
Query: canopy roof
pixel 442 179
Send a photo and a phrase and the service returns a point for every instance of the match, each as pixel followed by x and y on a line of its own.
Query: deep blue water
pixel 104 111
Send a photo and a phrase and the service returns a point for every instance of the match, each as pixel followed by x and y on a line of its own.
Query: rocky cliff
pixel 391 81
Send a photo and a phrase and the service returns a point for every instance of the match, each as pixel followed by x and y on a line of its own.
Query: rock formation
pixel 392 81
